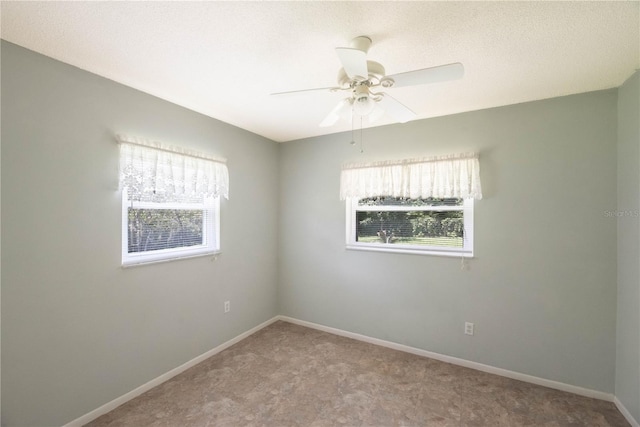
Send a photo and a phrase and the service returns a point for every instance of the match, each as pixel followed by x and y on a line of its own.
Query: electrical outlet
pixel 468 328
pixel 227 306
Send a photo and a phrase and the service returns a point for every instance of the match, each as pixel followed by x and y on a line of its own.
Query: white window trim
pixel 352 244
pixel 211 247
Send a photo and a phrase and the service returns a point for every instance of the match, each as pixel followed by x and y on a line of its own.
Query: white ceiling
pixel 223 59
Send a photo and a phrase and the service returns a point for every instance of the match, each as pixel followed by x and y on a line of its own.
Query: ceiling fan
pixel 362 79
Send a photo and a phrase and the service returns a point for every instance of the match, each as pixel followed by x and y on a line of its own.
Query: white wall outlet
pixel 227 306
pixel 468 328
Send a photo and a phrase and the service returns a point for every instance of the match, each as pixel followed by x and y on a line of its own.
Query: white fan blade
pixel 395 109
pixel 428 75
pixel 327 89
pixel 353 61
pixel 336 113
pixel 376 114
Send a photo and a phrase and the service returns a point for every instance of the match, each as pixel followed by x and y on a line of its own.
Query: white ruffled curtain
pixel 454 176
pixel 153 172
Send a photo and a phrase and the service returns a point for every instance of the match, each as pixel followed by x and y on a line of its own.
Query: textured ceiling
pixel 223 59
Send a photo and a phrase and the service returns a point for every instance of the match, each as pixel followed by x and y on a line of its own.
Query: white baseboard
pixel 457 361
pixel 626 413
pixel 107 407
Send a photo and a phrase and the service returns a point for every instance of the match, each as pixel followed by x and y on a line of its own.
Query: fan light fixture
pixel 363 103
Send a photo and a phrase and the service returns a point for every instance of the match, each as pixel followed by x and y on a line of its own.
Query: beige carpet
pixel 289 375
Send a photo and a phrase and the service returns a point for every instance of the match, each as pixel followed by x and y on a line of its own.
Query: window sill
pixel 462 254
pixel 132 263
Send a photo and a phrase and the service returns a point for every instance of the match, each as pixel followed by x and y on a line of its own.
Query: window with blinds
pixel 155 231
pixel 170 202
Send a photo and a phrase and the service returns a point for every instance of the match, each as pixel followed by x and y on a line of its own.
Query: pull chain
pixel 353 140
pixel 361 144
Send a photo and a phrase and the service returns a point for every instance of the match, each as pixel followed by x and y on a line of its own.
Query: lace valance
pixel 455 176
pixel 154 172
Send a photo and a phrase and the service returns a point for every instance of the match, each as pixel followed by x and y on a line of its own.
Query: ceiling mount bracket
pixel 362 43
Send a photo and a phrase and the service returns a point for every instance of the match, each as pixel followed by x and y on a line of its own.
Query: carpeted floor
pixel 289 375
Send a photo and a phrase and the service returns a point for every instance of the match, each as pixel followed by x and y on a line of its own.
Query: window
pixel 427 206
pixel 439 226
pixel 155 231
pixel 170 202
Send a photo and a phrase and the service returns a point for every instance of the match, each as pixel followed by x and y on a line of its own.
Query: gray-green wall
pixel 628 328
pixel 77 329
pixel 541 289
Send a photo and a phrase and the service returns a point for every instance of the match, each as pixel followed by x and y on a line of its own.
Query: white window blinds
pixel 153 172
pixel 454 176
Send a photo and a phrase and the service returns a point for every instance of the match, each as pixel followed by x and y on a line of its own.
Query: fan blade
pixel 395 109
pixel 335 114
pixel 353 61
pixel 376 114
pixel 329 89
pixel 428 75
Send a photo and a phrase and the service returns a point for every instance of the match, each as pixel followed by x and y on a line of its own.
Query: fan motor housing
pixel 376 73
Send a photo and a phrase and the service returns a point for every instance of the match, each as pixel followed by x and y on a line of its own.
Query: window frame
pixel 211 232
pixel 466 251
